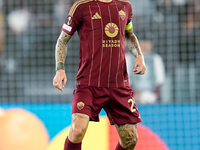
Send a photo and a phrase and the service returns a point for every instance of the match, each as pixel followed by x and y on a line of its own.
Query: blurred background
pixel 169 35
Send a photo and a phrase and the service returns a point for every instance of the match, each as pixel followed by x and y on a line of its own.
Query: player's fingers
pixel 142 73
pixel 64 81
pixel 59 86
pixel 135 67
pixel 142 70
pixel 138 71
pixel 57 83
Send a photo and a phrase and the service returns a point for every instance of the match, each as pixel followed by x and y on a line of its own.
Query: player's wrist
pixel 60 66
pixel 140 55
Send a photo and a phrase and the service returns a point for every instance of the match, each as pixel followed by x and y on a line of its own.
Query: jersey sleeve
pixel 130 13
pixel 73 20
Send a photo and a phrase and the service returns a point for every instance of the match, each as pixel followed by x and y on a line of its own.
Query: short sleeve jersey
pixel 101 29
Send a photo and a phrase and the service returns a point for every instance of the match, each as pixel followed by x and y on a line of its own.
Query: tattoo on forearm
pixel 131 48
pixel 61 50
pixel 132 43
pixel 75 116
pixel 128 135
pixel 136 44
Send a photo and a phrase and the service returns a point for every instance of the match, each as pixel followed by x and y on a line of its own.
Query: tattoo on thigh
pixel 128 135
pixel 76 116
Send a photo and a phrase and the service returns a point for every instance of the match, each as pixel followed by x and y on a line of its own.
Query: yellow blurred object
pixel 22 130
pixel 95 137
pixel 1 112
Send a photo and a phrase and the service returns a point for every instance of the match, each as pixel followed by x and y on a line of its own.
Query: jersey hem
pixel 111 85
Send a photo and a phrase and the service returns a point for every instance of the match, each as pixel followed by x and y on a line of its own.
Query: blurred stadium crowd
pixel 29 30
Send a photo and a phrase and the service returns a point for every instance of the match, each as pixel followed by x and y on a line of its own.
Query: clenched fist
pixel 60 79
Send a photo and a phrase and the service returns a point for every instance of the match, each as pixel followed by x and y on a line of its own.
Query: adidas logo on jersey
pixel 96 16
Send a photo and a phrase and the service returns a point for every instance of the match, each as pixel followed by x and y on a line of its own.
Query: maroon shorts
pixel 117 102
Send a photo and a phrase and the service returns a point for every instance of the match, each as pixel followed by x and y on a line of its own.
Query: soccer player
pixel 102 80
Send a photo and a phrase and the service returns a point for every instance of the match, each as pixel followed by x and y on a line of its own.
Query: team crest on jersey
pixel 80 105
pixel 111 30
pixel 122 14
pixel 69 20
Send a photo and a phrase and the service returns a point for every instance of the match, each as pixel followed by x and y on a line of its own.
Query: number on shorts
pixel 132 105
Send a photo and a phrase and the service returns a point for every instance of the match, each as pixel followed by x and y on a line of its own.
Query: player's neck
pixel 105 1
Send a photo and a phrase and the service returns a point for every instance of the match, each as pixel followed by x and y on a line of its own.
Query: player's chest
pixel 105 16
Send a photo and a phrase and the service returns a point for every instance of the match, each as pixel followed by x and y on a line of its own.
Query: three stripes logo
pixel 96 16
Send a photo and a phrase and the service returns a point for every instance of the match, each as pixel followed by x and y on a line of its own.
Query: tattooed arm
pixel 133 46
pixel 61 50
pixel 132 43
pixel 60 78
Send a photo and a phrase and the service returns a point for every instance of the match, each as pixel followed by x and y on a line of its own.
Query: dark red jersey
pixel 101 28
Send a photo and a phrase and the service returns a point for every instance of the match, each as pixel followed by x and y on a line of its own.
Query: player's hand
pixel 60 79
pixel 139 62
